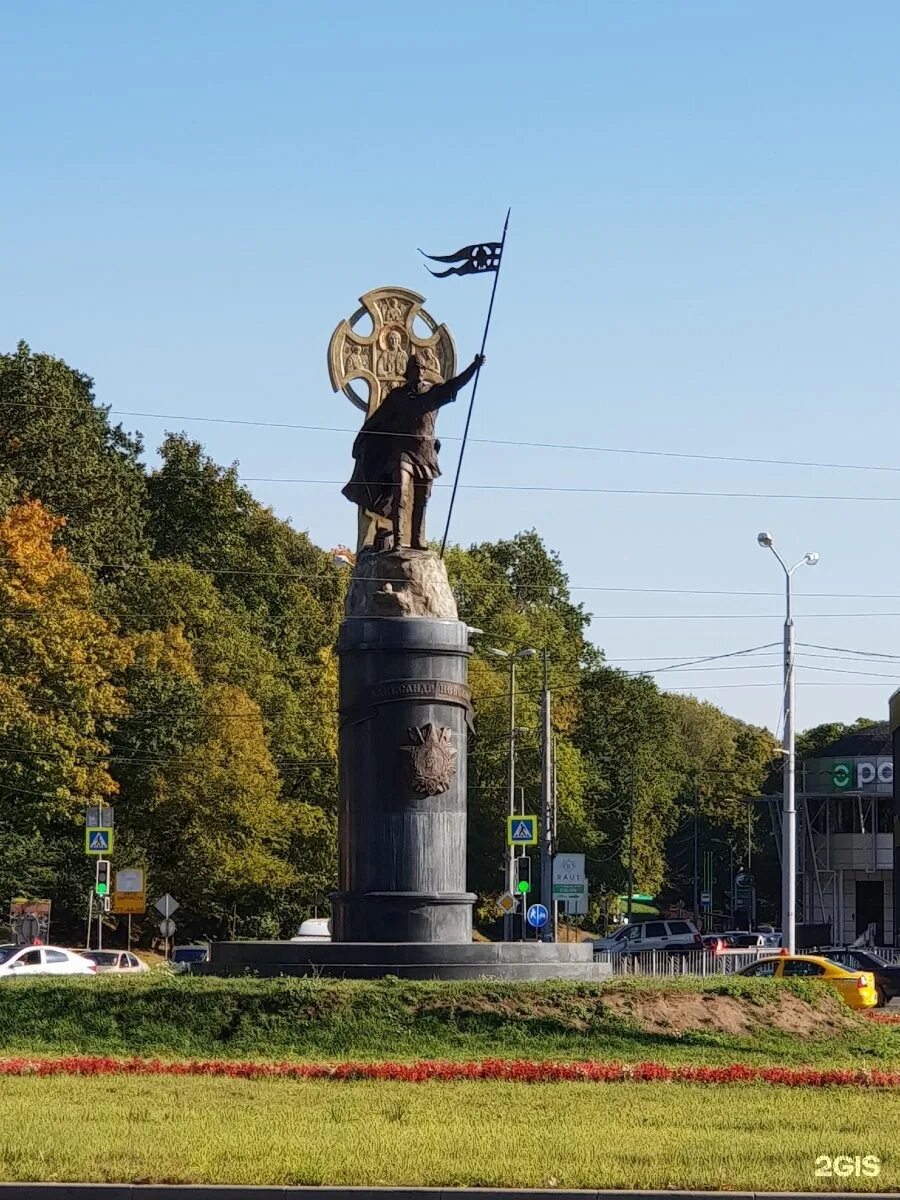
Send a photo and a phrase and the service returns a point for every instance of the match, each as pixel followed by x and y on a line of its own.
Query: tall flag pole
pixel 472 260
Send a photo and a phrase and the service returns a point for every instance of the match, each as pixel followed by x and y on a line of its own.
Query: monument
pixel 402 906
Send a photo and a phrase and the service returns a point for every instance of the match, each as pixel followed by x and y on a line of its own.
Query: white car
pixel 675 935
pixel 316 929
pixel 42 960
pixel 115 960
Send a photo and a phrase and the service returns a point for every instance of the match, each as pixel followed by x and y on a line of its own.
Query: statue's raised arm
pixel 440 394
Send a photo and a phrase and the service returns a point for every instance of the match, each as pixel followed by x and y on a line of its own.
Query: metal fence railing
pixel 691 962
pixel 700 962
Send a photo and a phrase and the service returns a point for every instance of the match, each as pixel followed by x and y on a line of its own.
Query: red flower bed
pixel 884 1018
pixel 517 1071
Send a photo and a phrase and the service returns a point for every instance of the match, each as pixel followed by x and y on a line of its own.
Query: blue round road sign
pixel 537 916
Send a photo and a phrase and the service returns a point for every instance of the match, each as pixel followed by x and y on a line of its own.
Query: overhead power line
pixel 516 442
pixel 596 491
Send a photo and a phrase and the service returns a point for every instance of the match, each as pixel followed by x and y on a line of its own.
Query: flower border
pixel 435 1070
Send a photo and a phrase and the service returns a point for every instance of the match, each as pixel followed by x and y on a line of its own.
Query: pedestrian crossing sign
pixel 521 831
pixel 98 840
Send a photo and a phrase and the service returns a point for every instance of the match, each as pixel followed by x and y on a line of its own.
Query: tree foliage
pixel 168 643
pixel 59 664
pixel 58 445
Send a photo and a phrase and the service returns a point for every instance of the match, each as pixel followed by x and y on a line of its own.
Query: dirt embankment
pixel 674 1010
pixel 682 1012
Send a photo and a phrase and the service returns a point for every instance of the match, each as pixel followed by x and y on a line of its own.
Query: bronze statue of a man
pixel 396 452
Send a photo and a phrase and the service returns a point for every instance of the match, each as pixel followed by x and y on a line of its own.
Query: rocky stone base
pixel 400 583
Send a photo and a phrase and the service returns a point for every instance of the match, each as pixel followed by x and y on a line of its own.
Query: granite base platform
pixel 407 960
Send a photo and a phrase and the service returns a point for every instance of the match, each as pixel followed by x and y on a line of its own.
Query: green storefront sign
pixel 870 775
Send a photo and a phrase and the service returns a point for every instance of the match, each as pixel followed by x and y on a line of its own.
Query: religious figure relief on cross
pixel 396 454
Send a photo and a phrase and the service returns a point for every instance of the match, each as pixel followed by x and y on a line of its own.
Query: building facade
pixel 848 835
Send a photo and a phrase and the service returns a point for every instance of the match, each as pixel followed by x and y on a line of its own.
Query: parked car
pixel 183 957
pixel 316 929
pixel 115 960
pixel 42 960
pixel 741 939
pixel 886 975
pixel 856 988
pixel 717 943
pixel 675 936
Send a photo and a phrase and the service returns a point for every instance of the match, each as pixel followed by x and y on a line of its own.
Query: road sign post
pixel 166 905
pixel 537 916
pixel 129 896
pixel 570 883
pixel 100 816
pixel 98 839
pixel 521 831
pixel 167 929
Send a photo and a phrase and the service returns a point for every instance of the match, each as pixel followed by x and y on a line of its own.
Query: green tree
pixel 629 740
pixel 289 589
pixel 517 593
pixel 219 832
pixel 189 641
pixel 813 741
pixel 58 446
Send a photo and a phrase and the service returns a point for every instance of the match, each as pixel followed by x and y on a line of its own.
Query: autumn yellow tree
pixel 59 658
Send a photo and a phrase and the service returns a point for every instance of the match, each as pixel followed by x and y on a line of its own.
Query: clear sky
pixel 703 258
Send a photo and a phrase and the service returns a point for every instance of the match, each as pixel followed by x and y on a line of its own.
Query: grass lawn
pixel 626 1020
pixel 750 1137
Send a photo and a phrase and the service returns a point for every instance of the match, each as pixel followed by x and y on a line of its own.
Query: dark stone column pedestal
pixel 402 907
pixel 404 710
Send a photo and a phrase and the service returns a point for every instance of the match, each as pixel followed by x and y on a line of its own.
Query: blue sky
pixel 704 257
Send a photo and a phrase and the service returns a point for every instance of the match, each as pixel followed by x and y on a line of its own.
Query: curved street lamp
pixel 789 813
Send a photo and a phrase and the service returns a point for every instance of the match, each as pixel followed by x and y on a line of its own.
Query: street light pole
pixel 512 658
pixel 546 805
pixel 789 810
pixel 511 850
pixel 631 848
pixel 789 817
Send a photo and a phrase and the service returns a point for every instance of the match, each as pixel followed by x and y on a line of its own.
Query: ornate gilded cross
pixel 378 359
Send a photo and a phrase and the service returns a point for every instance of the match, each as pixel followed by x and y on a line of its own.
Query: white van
pixel 316 929
pixel 675 935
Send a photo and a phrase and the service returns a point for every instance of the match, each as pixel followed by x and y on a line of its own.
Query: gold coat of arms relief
pixel 367 366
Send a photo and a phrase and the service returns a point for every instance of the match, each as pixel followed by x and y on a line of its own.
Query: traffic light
pixel 523 874
pixel 101 883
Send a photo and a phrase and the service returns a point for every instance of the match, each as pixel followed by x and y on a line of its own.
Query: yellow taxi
pixel 856 988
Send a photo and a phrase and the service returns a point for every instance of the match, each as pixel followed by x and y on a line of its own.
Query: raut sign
pixel 570 883
pixel 871 775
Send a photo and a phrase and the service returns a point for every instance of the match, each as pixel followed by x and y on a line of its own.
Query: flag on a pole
pixel 479 259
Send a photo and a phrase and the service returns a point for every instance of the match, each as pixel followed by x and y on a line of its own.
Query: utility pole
pixel 789 833
pixel 511 850
pixel 631 844
pixel 546 802
pixel 789 810
pixel 697 851
pixel 554 842
pixel 512 657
